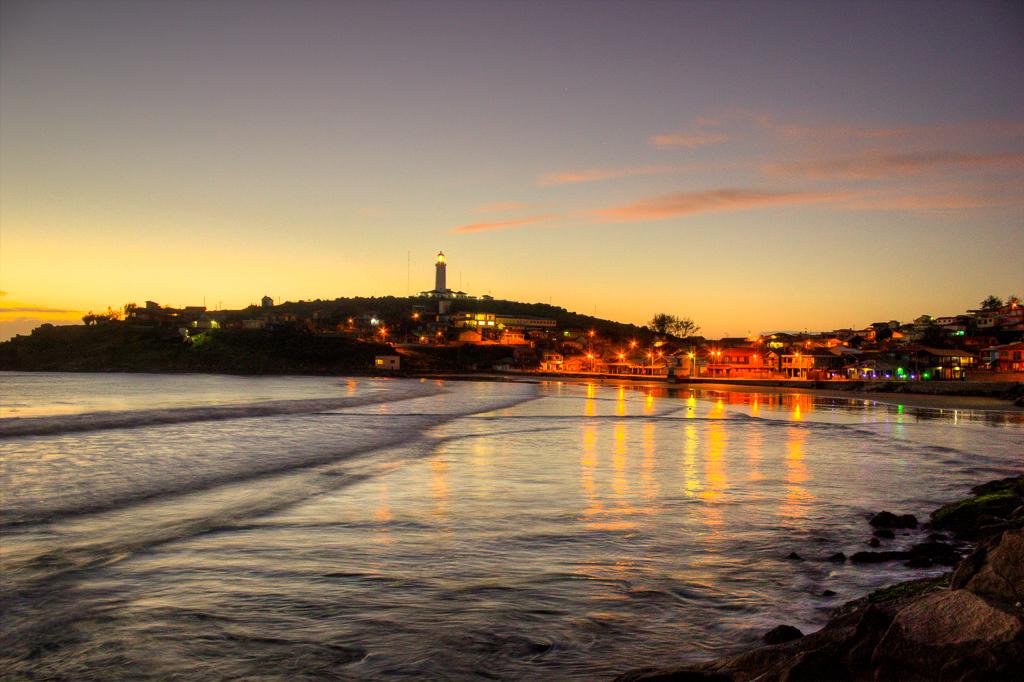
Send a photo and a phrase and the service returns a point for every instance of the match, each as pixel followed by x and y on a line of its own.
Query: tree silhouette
pixel 991 303
pixel 665 324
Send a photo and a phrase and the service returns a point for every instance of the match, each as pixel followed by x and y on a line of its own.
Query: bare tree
pixel 666 324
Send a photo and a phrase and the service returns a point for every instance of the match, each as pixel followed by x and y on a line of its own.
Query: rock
pixel 837 558
pixel 795 557
pixel 884 533
pixel 874 542
pixel 1013 484
pixel 992 504
pixel 937 552
pixel 781 635
pixel 970 627
pixel 885 519
pixel 919 562
pixel 1001 575
pixel 878 557
pixel 948 635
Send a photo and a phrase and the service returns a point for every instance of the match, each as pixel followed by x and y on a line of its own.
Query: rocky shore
pixel 965 625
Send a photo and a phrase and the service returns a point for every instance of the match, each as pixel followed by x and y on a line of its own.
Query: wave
pixel 128 469
pixel 13 427
pixel 81 537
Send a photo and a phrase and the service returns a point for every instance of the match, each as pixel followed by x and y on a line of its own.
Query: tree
pixel 92 319
pixel 992 303
pixel 661 323
pixel 666 324
pixel 685 327
pixel 1013 299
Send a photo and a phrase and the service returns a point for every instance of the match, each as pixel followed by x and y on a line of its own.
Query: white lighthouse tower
pixel 440 285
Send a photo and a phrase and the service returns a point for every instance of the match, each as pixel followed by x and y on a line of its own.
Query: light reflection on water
pixel 594 529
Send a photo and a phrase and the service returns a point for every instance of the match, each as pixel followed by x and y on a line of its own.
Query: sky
pixel 756 166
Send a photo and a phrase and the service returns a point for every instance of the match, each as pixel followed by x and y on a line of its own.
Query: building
pixel 741 361
pixel 266 302
pixel 440 274
pixel 388 362
pixel 1006 358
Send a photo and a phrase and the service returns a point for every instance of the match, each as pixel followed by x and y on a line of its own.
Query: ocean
pixel 219 527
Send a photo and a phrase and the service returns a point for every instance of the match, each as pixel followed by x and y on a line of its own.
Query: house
pixel 740 362
pixel 388 362
pixel 797 364
pixel 551 362
pixel 1006 358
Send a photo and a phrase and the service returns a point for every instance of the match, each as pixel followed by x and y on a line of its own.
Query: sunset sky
pixel 756 166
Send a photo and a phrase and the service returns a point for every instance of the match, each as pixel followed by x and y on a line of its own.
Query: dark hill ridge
pixel 123 348
pixel 118 347
pixel 392 308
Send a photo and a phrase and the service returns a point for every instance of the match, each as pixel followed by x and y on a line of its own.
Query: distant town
pixel 984 343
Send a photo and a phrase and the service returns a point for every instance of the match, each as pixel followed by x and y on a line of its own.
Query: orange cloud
pixel 931 202
pixel 500 225
pixel 687 139
pixel 688 203
pixel 877 165
pixel 597 174
pixel 500 207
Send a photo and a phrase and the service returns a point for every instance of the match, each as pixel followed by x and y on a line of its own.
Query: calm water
pixel 222 527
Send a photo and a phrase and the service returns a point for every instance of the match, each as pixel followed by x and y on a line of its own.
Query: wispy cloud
pixel 598 174
pixel 500 207
pixel 34 309
pixel 697 138
pixel 688 203
pixel 926 202
pixel 500 224
pixel 877 165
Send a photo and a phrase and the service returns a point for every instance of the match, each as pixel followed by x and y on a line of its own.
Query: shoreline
pixel 939 401
pixel 958 396
pixel 967 623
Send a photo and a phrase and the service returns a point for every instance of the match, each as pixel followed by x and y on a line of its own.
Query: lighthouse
pixel 439 274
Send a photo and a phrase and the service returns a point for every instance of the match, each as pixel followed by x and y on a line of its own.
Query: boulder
pixel 949 635
pixel 1000 576
pixel 991 505
pixel 781 634
pixel 794 557
pixel 937 552
pixel 885 519
pixel 836 558
pixel 884 533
